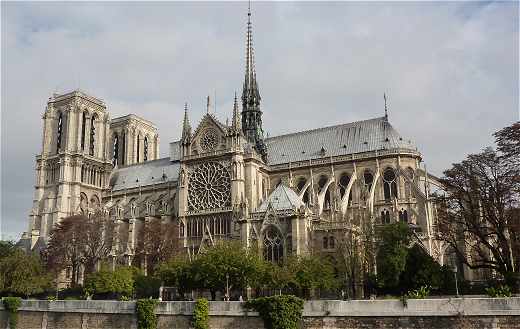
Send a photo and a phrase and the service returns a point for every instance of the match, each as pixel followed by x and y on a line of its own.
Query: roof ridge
pixel 327 127
pixel 143 163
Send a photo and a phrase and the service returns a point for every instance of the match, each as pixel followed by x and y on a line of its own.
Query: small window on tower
pixel 59 133
pixel 92 134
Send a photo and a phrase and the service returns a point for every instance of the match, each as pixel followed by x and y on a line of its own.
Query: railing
pixel 343 158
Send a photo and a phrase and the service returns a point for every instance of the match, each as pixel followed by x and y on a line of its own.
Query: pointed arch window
pixel 343 184
pixel 390 184
pixel 138 148
pixel 368 179
pixel 59 135
pixel 92 134
pixel 273 245
pixel 145 149
pixel 83 130
pixel 321 183
pixel 123 149
pixel 403 215
pixel 301 184
pixel 385 217
pixel 115 155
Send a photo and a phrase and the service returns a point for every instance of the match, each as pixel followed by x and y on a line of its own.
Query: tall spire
pixel 186 127
pixel 251 113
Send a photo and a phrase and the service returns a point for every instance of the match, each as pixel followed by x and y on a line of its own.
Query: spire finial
pixel 208 105
pixel 236 120
pixel 386 107
pixel 186 127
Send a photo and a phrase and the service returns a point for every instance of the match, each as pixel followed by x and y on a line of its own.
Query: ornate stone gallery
pixel 303 192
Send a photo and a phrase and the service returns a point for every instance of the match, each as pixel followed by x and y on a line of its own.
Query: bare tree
pixel 64 249
pixel 96 240
pixel 158 242
pixel 350 260
pixel 79 241
pixel 479 213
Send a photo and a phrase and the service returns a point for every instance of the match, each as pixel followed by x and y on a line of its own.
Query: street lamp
pixel 456 281
pixel 227 286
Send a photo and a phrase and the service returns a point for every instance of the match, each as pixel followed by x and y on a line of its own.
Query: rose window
pixel 209 140
pixel 209 187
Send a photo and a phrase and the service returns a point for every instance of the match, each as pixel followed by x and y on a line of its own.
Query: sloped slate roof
pixel 282 198
pixel 350 138
pixel 144 174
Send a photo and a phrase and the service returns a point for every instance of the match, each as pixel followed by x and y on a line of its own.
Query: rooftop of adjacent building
pixel 130 117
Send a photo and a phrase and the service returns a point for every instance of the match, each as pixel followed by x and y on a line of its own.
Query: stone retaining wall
pixel 464 313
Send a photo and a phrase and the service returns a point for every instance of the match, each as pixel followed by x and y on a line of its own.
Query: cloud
pixel 450 70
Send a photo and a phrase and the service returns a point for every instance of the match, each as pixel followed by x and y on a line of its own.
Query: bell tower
pixel 73 168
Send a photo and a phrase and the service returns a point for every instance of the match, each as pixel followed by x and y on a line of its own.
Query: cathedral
pixel 291 194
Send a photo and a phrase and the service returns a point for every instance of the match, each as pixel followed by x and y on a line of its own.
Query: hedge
pixel 12 304
pixel 278 312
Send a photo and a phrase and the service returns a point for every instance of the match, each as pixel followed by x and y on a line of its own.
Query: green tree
pixel 22 274
pixel 422 270
pixel 179 272
pixel 108 284
pixel 6 248
pixel 277 277
pixel 313 272
pixel 227 263
pixel 391 256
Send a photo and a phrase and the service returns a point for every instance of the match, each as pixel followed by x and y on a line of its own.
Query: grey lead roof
pixel 350 138
pixel 282 198
pixel 144 174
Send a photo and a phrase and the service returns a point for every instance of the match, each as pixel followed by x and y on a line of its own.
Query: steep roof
pixel 350 138
pixel 282 198
pixel 144 174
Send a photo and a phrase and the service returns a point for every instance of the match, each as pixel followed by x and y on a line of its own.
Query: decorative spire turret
pixel 186 127
pixel 235 123
pixel 251 113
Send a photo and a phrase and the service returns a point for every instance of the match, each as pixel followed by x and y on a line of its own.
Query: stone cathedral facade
pixel 291 194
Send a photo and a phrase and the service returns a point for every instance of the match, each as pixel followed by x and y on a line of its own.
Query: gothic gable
pixel 209 136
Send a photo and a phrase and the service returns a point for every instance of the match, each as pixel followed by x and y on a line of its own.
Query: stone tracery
pixel 209 187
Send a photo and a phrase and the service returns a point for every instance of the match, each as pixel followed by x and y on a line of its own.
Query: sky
pixel 450 70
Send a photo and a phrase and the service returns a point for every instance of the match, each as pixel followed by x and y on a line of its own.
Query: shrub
pixel 111 285
pixel 146 286
pixel 146 317
pixel 278 312
pixel 12 304
pixel 201 314
pixel 500 291
pixel 420 293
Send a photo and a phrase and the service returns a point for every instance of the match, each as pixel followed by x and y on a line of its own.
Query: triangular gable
pixel 209 120
pixel 207 239
pixel 282 198
pixel 270 217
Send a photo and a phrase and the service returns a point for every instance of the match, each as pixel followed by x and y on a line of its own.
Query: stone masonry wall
pixel 460 313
